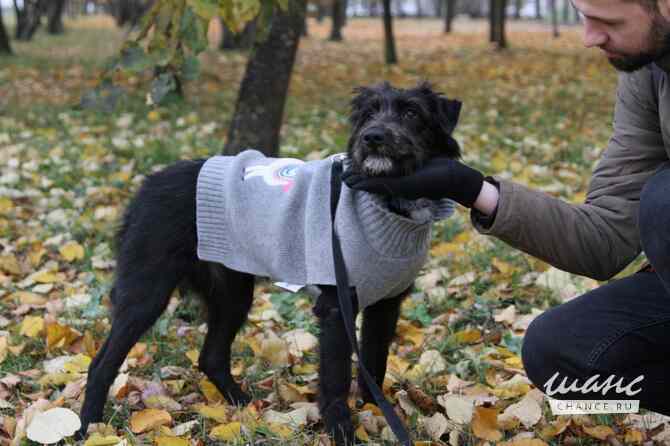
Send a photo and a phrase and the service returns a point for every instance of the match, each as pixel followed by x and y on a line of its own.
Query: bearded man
pixel 620 329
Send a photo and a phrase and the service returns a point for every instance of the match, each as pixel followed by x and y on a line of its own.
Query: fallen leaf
pixel 485 424
pixel 165 440
pixel 53 425
pixel 210 391
pixel 149 419
pixel 217 412
pixel 71 251
pixel 459 409
pixel 226 432
pixel 32 326
pixel 600 432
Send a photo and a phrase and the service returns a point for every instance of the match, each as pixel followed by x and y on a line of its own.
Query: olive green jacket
pixel 600 237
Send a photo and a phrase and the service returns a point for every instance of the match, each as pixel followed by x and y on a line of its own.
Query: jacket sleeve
pixel 600 237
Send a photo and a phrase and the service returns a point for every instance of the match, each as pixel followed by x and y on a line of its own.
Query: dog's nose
pixel 374 137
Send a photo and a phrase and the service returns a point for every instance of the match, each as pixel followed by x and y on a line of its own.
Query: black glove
pixel 438 178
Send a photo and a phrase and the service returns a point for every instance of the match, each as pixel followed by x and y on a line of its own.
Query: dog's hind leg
pixel 228 295
pixel 379 327
pixel 334 367
pixel 140 298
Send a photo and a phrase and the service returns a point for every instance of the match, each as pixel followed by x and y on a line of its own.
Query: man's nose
pixel 593 36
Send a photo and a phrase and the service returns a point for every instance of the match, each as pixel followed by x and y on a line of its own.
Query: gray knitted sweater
pixel 271 217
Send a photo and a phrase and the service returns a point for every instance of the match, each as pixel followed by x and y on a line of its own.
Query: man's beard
pixel 659 36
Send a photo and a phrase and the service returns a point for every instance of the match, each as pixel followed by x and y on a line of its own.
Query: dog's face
pixel 394 131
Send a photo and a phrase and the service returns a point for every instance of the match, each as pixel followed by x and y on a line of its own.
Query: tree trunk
pixel 554 18
pixel 518 5
pixel 345 5
pixel 451 13
pixel 374 8
pixel 55 14
pixel 389 41
pixel 5 48
pixel 419 11
pixel 27 18
pixel 438 7
pixel 262 96
pixel 336 28
pixel 320 11
pixel 498 19
pixel 538 10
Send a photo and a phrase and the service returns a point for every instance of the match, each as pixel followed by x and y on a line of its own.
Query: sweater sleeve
pixel 599 237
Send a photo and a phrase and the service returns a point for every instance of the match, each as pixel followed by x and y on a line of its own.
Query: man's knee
pixel 544 353
pixel 654 217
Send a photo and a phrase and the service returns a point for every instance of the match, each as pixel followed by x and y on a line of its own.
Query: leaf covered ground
pixel 539 113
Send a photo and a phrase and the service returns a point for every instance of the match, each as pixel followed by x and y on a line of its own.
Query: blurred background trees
pixel 168 40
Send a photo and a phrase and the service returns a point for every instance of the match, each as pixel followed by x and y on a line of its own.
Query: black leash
pixel 346 307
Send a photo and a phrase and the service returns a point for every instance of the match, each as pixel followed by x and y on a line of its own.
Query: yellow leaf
pixel 210 391
pixel 281 430
pixel 35 256
pixel 600 432
pixel 304 369
pixel 469 336
pixel 138 350
pixel 164 440
pixel 217 412
pixel 6 205
pixel 634 436
pixel 72 251
pixel 78 364
pixel 32 326
pixel 514 361
pixel 555 428
pixel 98 440
pixel 505 268
pixel 174 385
pixel 9 264
pixel 443 249
pixel 28 298
pixel 226 432
pixel 485 424
pixel 149 419
pixel 3 348
pixel 154 115
pixel 362 434
pixel 45 277
pixel 410 332
pixel 397 365
pixel 193 356
pixel 60 335
pixel 58 379
pixel 523 442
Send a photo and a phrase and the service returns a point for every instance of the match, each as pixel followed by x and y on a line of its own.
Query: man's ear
pixel 448 112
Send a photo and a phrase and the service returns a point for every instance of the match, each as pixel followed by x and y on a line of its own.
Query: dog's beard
pixel 378 165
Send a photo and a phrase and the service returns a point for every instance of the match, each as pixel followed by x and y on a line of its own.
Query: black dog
pixel 393 133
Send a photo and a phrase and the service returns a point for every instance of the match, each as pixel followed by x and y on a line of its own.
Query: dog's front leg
pixel 379 326
pixel 334 367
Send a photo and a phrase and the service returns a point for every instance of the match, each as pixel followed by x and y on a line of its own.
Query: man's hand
pixel 439 178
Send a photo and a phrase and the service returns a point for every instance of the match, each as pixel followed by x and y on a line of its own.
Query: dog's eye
pixel 409 114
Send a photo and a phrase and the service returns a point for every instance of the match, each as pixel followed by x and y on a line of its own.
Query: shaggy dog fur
pixel 394 132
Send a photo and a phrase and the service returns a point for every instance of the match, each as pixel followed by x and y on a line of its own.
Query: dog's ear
pixel 449 111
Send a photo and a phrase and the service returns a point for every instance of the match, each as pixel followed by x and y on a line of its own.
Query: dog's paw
pixel 337 419
pixel 236 396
